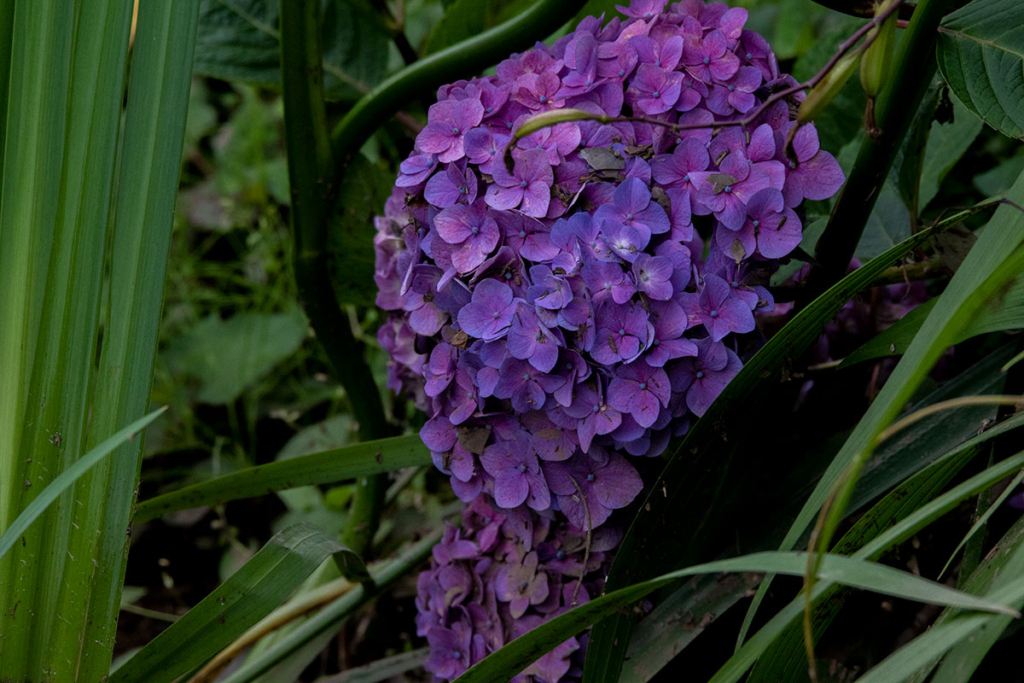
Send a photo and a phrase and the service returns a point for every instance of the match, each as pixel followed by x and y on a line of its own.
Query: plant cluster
pixel 554 308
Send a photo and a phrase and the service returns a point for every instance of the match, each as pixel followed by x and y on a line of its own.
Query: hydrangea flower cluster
pixel 559 316
pixel 500 574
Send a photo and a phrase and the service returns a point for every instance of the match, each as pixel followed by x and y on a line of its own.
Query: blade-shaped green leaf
pixel 981 56
pixel 737 665
pixel 844 570
pixel 250 594
pixel 1006 313
pixel 67 478
pixel 947 441
pixel 328 467
pixel 336 612
pixel 688 485
pixel 966 293
pixel 784 660
pixel 938 640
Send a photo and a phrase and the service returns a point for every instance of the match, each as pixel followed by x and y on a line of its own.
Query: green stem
pixel 861 8
pixel 895 111
pixel 426 75
pixel 312 178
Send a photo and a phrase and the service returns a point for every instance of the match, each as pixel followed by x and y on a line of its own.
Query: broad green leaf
pixel 240 40
pixel 67 478
pixel 981 56
pixel 335 613
pixel 333 433
pixel 888 225
pixel 518 654
pixel 351 462
pixel 350 240
pixel 462 19
pixel 995 182
pixel 688 486
pixel 965 294
pixel 1007 313
pixel 227 356
pixel 947 143
pixel 245 598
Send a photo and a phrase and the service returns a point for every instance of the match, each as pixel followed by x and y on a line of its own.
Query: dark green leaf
pixel 240 40
pixel 360 460
pixel 350 242
pixel 947 142
pixel 462 19
pixel 888 225
pixel 381 670
pixel 981 56
pixel 227 356
pixel 245 598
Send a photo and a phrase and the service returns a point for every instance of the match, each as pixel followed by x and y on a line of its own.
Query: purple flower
pixel 415 170
pixel 703 378
pixel 597 417
pixel 632 207
pixel 643 9
pixel 653 276
pixel 670 322
pixel 449 121
pixel 664 55
pixel 607 482
pixel 736 94
pixel 450 650
pixel 813 173
pixel 654 90
pixel 489 315
pixel 727 192
pixel 717 309
pixel 528 187
pixel 622 335
pixel 641 391
pixel 521 585
pixel 471 231
pixel 529 340
pixel 517 475
pixel 771 227
pixel 485 148
pixel 709 58
pixel 607 281
pixel 525 385
pixel 557 142
pixel 527 236
pixel 453 186
pixel 673 170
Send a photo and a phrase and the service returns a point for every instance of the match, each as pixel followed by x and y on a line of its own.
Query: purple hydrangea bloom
pixel 552 305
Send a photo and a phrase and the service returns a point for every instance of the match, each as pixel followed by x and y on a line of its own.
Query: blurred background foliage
pixel 245 380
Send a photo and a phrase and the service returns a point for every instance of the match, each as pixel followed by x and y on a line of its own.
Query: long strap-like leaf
pixel 327 467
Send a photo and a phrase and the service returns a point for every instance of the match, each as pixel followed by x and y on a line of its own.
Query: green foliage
pixel 227 356
pixel 351 462
pixel 237 604
pixel 834 568
pixel 240 40
pixel 981 56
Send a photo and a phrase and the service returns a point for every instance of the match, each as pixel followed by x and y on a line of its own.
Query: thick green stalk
pixel 66 85
pixel 895 111
pixel 139 236
pixel 312 179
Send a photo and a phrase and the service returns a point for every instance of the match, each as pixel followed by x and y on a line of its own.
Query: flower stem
pixel 895 111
